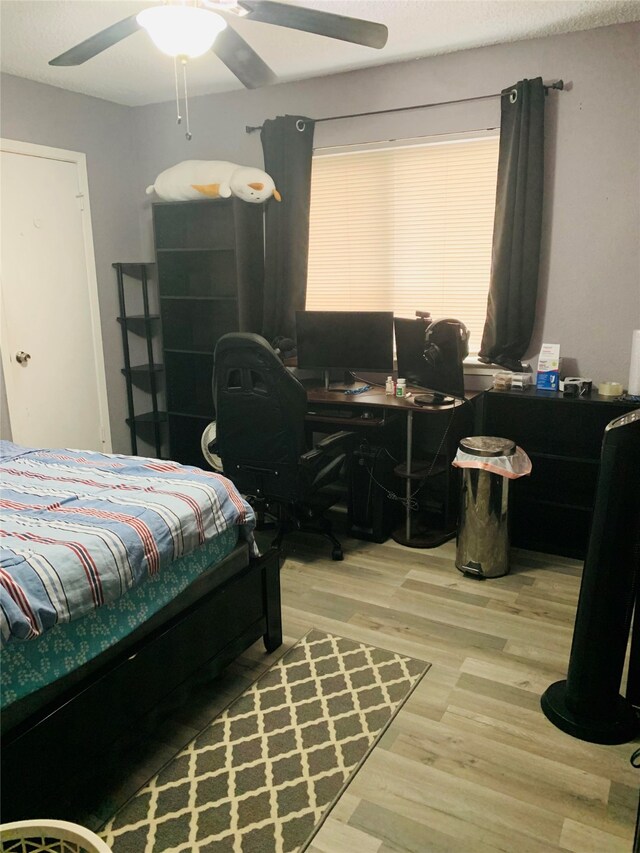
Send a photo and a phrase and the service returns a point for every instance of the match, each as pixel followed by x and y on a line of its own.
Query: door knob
pixel 22 357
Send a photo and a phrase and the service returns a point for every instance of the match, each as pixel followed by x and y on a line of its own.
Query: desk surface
pixel 376 398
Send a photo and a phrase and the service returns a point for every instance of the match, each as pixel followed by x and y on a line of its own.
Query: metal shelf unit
pixel 145 325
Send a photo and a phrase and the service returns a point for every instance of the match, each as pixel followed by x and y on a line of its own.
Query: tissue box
pixel 548 377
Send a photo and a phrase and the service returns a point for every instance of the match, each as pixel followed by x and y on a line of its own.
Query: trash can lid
pixel 488 445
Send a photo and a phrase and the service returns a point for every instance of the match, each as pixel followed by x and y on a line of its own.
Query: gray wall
pixel 590 271
pixel 44 115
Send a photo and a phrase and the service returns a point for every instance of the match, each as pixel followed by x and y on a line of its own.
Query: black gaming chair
pixel 260 437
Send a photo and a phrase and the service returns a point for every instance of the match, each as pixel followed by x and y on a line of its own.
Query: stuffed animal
pixel 194 179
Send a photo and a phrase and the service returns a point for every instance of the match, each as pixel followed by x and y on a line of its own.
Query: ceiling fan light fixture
pixel 181 30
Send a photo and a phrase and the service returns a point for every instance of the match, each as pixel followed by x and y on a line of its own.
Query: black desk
pixel 374 409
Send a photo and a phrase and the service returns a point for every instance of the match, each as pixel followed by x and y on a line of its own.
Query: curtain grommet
pixel 513 96
pixel 300 125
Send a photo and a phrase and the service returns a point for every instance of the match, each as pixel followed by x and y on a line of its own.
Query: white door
pixel 51 342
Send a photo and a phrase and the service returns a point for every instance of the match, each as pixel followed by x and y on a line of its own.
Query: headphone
pixel 442 332
pixel 283 346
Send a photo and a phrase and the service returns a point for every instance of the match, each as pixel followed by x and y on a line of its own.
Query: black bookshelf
pixel 206 252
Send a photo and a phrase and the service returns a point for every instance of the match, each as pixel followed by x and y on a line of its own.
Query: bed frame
pixel 44 754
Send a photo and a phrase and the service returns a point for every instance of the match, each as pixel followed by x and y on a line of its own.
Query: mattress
pixel 94 549
pixel 79 529
pixel 30 666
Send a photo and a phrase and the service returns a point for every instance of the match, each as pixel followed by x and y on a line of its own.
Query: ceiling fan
pixel 188 29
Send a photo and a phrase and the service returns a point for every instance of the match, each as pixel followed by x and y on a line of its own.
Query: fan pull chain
pixel 186 98
pixel 175 77
pixel 188 134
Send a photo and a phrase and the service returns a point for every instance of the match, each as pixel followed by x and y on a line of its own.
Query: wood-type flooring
pixel 470 763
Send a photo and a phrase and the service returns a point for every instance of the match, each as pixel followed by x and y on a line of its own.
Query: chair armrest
pixel 340 440
pixel 332 445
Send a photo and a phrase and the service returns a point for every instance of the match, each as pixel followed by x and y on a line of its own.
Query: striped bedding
pixel 78 529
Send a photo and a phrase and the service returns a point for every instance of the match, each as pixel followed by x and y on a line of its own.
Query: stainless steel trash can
pixel 482 544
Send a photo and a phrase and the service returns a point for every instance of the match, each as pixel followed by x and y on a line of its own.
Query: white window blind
pixel 405 229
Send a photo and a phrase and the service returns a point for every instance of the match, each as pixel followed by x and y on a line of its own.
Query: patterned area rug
pixel 262 777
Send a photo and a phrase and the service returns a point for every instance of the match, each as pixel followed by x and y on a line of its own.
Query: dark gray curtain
pixel 517 226
pixel 287 143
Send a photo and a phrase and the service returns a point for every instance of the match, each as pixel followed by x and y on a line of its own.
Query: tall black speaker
pixel 588 705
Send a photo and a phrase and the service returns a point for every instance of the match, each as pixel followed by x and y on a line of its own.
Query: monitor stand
pixel 353 389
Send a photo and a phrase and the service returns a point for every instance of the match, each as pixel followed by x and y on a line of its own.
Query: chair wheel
pixel 337 554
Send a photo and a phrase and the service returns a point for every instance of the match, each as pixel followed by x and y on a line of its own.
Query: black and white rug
pixel 262 777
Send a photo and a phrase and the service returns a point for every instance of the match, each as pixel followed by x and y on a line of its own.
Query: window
pixel 405 228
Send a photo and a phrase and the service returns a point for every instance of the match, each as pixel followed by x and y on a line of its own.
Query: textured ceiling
pixel 134 72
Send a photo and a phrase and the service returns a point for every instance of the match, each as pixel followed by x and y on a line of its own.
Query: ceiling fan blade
pixel 242 60
pixel 95 44
pixel 340 27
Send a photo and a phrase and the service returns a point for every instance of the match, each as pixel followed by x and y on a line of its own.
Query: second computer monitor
pixel 435 365
pixel 345 340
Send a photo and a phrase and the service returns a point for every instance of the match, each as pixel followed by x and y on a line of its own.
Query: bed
pixel 119 577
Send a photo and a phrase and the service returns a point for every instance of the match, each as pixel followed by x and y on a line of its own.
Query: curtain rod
pixel 406 138
pixel 558 84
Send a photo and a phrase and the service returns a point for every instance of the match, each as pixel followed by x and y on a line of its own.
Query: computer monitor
pixel 430 356
pixel 345 340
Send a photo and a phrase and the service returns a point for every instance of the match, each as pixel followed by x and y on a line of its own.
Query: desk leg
pixel 408 483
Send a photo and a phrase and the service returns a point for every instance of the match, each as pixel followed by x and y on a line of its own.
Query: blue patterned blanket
pixel 78 529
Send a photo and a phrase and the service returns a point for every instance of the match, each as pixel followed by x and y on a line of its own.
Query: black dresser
pixel 551 509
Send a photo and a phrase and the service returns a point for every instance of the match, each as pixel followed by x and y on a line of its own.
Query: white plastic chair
pixel 49 836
